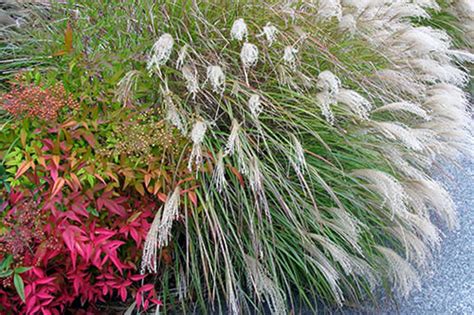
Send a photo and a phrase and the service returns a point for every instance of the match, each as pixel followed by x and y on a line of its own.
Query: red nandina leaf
pixel 24 166
pixel 58 185
pixel 68 237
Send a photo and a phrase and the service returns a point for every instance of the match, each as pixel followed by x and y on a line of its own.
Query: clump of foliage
pixel 234 161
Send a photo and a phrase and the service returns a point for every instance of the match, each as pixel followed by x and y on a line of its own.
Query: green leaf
pixel 19 286
pixel 7 273
pixel 22 269
pixel 7 261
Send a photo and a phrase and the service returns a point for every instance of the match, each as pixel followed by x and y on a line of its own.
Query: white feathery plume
pixel 150 247
pixel 402 9
pixel 298 154
pixel 447 96
pixel 270 31
pixel 255 176
pixel 327 269
pixel 233 138
pixel 348 262
pixel 400 132
pixel 216 77
pixel 451 121
pixel 466 6
pixel 182 55
pixel 392 192
pixel 407 107
pixel 234 145
pixel 160 52
pixel 434 196
pixel 402 274
pixel 325 100
pixel 329 8
pixel 356 103
pixel 233 304
pixel 159 233
pixel 432 4
pixel 170 214
pixel 255 105
pixel 218 176
pixel 197 136
pixel 346 225
pixel 191 77
pixel 328 82
pixel 359 5
pixel 172 113
pixel 402 164
pixel 239 30
pixel 348 23
pixel 434 71
pixel 424 40
pixel 425 229
pixel 249 55
pixel 338 254
pixel 126 86
pixel 256 181
pixel 289 56
pixel 265 286
pixel 400 81
pixel 461 55
pixel 416 250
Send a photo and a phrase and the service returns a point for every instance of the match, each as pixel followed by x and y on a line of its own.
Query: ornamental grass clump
pixel 286 154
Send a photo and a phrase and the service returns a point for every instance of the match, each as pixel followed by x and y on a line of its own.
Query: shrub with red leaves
pixel 32 100
pixel 81 242
pixel 77 257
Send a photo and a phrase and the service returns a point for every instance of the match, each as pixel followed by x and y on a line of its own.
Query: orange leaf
pixel 147 179
pixel 41 161
pixel 239 176
pixel 140 189
pixel 166 256
pixel 157 187
pixel 185 180
pixel 56 160
pixel 24 166
pixel 192 195
pixel 99 178
pixel 111 175
pixel 58 185
pixel 75 180
pixel 69 123
pixel 59 53
pixel 23 136
pixel 68 38
pixel 162 197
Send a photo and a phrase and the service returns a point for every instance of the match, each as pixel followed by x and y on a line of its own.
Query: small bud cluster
pixel 24 229
pixel 37 101
pixel 140 135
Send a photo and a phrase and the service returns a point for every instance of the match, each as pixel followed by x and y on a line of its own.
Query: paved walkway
pixel 450 288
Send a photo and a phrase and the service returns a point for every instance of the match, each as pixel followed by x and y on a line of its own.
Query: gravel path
pixel 450 288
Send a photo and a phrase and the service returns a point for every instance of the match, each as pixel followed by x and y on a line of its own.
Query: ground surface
pixel 449 288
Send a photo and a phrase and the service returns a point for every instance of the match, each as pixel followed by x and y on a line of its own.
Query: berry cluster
pixel 24 230
pixel 26 99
